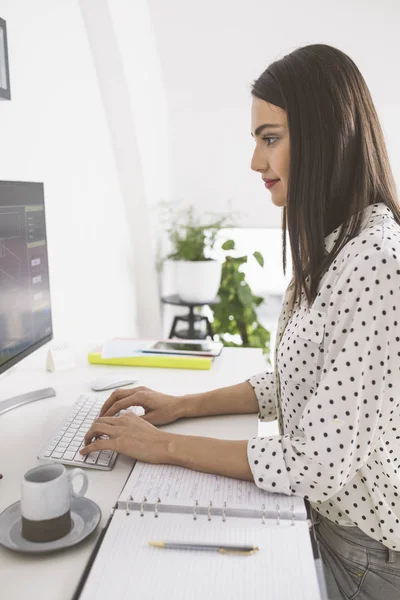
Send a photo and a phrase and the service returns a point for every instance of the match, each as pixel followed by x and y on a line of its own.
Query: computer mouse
pixel 109 383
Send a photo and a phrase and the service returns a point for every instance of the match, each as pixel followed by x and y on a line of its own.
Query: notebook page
pixel 179 489
pixel 127 567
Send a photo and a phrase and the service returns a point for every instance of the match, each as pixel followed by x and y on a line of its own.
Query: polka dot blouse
pixel 336 388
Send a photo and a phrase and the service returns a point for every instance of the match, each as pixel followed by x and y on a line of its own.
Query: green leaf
pixel 228 245
pixel 190 239
pixel 245 296
pixel 258 300
pixel 259 258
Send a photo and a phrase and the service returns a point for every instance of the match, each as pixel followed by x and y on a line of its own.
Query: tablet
pixel 201 348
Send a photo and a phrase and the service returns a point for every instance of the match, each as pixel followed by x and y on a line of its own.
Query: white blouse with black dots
pixel 338 398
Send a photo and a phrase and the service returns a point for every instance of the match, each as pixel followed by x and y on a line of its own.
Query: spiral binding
pixel 142 506
pixel 130 499
pixel 209 508
pixel 156 508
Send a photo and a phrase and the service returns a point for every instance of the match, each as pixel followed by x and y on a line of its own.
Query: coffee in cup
pixel 46 493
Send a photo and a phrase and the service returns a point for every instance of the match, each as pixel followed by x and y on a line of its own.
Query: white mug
pixel 46 493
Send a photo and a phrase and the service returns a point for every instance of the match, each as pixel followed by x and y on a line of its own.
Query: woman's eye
pixel 269 138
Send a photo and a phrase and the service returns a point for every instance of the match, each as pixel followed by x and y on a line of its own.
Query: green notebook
pixel 154 360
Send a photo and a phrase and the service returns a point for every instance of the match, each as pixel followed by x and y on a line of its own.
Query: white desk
pixel 24 430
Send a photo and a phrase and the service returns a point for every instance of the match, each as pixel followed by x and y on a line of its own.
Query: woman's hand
pixel 159 408
pixel 129 435
pixel 132 436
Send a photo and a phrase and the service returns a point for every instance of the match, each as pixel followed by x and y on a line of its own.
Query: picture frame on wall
pixel 5 91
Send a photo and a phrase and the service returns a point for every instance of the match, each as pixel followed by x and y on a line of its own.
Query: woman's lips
pixel 269 184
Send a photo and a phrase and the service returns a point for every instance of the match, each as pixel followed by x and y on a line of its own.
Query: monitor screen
pixel 25 310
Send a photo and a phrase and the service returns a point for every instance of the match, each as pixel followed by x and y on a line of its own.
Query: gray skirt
pixel 355 565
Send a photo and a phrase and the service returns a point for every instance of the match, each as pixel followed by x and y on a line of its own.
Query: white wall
pixel 54 130
pixel 126 62
pixel 212 51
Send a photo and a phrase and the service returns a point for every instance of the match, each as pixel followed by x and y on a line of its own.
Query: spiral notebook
pixel 162 502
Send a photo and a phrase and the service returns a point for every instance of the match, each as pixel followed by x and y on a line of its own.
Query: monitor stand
pixel 22 399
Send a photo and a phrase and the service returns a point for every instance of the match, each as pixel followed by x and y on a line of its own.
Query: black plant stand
pixel 191 332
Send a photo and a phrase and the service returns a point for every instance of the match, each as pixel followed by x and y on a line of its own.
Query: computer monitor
pixel 25 309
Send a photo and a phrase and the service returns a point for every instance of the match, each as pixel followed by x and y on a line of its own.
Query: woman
pixel 336 386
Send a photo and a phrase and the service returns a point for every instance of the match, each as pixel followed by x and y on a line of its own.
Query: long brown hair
pixel 338 159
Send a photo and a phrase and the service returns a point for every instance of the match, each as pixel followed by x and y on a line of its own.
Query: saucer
pixel 85 516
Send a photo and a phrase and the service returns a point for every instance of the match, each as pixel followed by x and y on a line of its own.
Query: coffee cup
pixel 46 493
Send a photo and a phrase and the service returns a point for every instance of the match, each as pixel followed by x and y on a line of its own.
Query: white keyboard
pixel 64 445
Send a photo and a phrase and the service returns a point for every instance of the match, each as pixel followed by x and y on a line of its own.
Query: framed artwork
pixel 5 91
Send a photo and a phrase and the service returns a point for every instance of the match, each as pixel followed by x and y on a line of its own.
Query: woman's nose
pixel 258 163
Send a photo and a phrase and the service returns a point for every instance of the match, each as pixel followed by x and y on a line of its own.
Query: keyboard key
pixel 107 452
pixel 69 455
pixel 57 454
pixel 61 449
pixel 79 458
pixel 92 458
pixel 104 459
pixel 67 437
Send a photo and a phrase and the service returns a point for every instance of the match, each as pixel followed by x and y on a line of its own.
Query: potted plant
pixel 235 320
pixel 235 316
pixel 197 275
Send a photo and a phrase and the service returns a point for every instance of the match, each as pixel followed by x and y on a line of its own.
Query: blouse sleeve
pixel 263 385
pixel 358 392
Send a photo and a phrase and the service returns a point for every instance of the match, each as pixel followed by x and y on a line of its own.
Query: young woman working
pixel 335 391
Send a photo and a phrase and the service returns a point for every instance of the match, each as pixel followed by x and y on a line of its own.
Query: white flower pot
pixel 198 281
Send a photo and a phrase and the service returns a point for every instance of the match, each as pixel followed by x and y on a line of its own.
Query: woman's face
pixel 271 154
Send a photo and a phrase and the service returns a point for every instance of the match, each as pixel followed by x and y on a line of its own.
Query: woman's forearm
pixel 209 455
pixel 231 400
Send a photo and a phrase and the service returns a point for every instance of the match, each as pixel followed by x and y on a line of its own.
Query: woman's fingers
pixel 115 396
pixel 98 429
pixel 118 397
pixel 107 420
pixel 119 405
pixel 108 444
